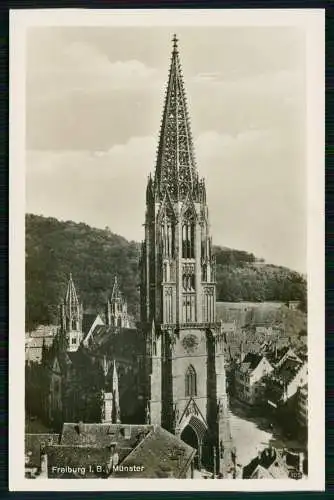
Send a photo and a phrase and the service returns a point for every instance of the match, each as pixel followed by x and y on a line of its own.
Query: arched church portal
pixel 195 435
pixel 189 436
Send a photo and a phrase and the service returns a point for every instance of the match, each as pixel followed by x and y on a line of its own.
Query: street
pixel 251 433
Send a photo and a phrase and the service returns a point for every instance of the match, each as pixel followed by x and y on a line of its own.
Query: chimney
pixel 80 427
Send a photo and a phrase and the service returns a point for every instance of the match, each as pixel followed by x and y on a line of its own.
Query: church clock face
pixel 190 343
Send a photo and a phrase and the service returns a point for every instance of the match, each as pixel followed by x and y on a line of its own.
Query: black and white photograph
pixel 166 257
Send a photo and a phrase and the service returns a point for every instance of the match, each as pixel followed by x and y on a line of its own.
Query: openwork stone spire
pixel 175 169
pixel 71 297
pixel 116 292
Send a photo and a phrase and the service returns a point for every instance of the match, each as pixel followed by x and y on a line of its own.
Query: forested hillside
pixel 94 256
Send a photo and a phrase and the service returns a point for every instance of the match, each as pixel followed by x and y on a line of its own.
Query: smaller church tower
pixel 71 318
pixel 117 313
pixel 111 407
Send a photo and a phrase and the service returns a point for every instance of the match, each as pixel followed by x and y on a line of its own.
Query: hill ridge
pixel 55 248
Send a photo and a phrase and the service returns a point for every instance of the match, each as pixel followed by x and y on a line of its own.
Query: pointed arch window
pixel 168 237
pixel 204 272
pixel 188 240
pixel 191 382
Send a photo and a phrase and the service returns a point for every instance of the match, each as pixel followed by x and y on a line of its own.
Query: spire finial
pixel 175 40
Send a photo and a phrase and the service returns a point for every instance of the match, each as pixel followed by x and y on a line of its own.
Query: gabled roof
pixel 44 331
pixel 102 435
pixel 87 322
pixel 161 454
pixel 84 458
pixel 250 362
pixel 33 445
pixel 288 370
pixel 275 356
pixel 116 342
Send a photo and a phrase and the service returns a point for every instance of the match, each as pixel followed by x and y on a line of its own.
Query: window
pixel 188 281
pixel 189 308
pixel 168 238
pixel 188 240
pixel 191 385
pixel 74 340
pixel 168 309
pixel 208 305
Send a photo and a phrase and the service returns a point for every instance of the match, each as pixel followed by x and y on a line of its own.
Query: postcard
pixel 166 250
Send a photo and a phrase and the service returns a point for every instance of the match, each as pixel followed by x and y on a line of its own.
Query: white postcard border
pixel 313 22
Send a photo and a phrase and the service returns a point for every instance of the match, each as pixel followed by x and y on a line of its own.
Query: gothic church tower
pixel 71 318
pixel 117 313
pixel 184 362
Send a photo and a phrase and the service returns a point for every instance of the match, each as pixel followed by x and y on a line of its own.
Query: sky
pixel 94 101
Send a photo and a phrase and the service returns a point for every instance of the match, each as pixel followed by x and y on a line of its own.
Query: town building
pixel 106 450
pixel 186 386
pixel 277 356
pixel 159 455
pixel 268 330
pixel 285 381
pixel 269 464
pixel 249 375
pixel 36 341
pixel 35 445
pixel 294 305
pixel 92 361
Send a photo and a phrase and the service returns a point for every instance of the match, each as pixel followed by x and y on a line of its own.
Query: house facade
pixel 286 380
pixel 249 375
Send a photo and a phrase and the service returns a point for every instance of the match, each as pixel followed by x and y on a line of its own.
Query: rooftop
pixel 270 464
pixel 82 459
pixel 87 322
pixel 250 362
pixel 103 435
pixel 126 342
pixel 288 370
pixel 161 454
